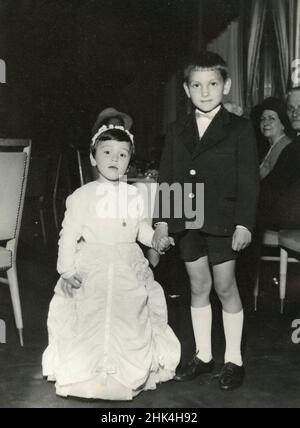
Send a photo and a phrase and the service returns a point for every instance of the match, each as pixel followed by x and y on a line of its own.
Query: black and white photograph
pixel 136 137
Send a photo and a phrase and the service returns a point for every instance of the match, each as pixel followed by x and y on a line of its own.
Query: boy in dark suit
pixel 216 148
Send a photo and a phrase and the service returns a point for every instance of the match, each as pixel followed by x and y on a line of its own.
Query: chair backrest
pixel 14 163
pixel 84 167
pixel 37 176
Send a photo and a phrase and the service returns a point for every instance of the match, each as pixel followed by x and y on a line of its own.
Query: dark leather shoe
pixel 194 368
pixel 231 377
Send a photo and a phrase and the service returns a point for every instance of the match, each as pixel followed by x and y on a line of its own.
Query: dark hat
pixel 274 104
pixel 109 113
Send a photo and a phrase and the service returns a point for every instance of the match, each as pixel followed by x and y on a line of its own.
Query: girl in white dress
pixel 108 331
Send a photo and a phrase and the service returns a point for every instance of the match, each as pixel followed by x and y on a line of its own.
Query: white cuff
pixel 238 226
pixel 161 223
pixel 67 275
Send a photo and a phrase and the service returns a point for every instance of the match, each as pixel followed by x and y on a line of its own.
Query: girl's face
pixel 112 158
pixel 270 125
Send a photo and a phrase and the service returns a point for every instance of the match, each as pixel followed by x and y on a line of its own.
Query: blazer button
pixel 193 172
pixel 191 195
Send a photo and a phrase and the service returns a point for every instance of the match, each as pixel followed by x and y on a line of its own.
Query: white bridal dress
pixel 111 340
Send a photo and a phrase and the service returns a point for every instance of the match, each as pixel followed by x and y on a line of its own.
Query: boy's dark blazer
pixel 225 160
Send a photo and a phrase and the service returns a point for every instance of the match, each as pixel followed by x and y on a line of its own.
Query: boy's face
pixel 206 88
pixel 112 158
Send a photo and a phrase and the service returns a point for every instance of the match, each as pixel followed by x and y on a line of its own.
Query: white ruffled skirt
pixel 111 340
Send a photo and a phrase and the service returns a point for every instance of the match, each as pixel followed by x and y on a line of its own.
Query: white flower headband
pixel 108 127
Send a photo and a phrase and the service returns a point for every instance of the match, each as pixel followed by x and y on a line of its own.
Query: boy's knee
pixel 226 289
pixel 200 287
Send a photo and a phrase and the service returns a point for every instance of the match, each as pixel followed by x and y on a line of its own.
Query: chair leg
pixel 42 220
pixel 256 291
pixel 20 331
pixel 55 189
pixel 15 297
pixel 55 214
pixel 283 275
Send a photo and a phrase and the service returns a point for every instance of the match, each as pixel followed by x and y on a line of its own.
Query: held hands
pixel 68 284
pixel 241 239
pixel 164 244
pixel 161 242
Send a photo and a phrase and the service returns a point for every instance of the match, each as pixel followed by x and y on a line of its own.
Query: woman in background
pixel 274 125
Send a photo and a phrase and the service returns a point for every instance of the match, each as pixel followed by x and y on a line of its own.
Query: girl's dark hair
pixel 205 60
pixel 111 134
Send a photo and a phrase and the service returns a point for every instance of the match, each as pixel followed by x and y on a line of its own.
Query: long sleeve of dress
pixel 69 235
pixel 145 234
pixel 145 231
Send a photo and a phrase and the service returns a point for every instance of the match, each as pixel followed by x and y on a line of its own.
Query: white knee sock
pixel 233 329
pixel 202 322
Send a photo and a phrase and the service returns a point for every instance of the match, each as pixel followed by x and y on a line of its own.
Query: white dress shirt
pixel 204 119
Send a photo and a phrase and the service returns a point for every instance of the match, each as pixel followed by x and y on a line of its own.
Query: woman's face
pixel 270 125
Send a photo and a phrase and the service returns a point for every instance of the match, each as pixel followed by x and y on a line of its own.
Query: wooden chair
pixel 55 190
pixel 60 187
pixel 37 190
pixel 14 164
pixel 85 168
pixel 289 241
pixel 271 239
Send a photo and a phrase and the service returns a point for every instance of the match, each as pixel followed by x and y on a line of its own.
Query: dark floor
pixel 272 360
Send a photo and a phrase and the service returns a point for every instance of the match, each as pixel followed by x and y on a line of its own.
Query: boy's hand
pixel 241 239
pixel 161 241
pixel 68 284
pixel 164 244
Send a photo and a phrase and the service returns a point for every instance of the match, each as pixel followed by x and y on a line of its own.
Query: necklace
pixel 124 224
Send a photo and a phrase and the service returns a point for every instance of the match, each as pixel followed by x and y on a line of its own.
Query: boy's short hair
pixel 205 60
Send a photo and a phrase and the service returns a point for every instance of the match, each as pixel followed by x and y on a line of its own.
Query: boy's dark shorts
pixel 194 244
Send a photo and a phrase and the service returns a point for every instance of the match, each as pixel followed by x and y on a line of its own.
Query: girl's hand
pixel 161 232
pixel 68 284
pixel 241 239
